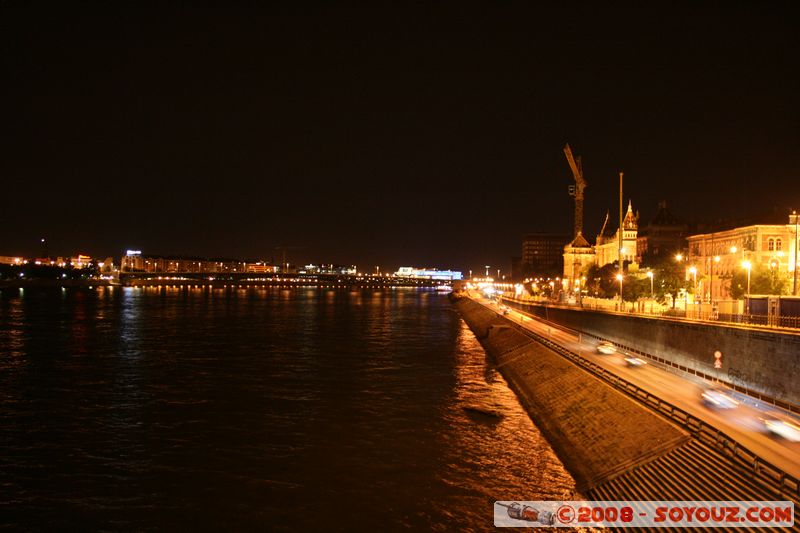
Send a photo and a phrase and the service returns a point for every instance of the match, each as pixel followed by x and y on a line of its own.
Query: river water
pixel 256 409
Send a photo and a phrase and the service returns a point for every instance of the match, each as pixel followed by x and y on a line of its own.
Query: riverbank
pixel 597 431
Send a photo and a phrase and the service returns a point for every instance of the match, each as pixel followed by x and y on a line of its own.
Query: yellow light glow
pixel 746 264
pixel 679 257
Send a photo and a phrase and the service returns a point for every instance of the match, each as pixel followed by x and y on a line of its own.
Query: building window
pixel 777 245
pixel 771 245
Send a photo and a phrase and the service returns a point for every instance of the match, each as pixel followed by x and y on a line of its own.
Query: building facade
pixel 607 244
pixel 577 255
pixel 427 273
pixel 543 253
pixel 662 238
pixel 718 255
pixel 134 261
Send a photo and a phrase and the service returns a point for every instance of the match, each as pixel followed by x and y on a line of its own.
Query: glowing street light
pixel 650 275
pixel 679 257
pixel 748 266
pixel 711 282
pixel 619 278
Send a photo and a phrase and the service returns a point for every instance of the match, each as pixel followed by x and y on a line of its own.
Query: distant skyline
pixel 426 135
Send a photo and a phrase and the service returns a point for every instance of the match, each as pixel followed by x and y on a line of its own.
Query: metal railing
pixel 687 312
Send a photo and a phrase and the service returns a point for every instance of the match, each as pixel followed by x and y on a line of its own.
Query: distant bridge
pixel 253 278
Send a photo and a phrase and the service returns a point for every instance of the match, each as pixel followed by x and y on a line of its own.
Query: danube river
pixel 256 409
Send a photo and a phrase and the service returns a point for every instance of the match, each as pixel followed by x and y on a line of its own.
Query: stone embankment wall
pixel 597 431
pixel 757 359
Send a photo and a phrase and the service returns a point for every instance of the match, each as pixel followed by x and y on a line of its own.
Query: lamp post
pixel 794 285
pixel 650 275
pixel 747 265
pixel 693 272
pixel 619 278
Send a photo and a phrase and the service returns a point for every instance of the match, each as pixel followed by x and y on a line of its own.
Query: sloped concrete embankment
pixel 597 431
pixel 756 359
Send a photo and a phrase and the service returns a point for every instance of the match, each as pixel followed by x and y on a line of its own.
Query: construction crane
pixel 577 189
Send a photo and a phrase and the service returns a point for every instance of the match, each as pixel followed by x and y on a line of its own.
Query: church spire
pixel 631 220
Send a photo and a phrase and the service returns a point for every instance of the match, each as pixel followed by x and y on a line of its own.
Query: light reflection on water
pixel 298 409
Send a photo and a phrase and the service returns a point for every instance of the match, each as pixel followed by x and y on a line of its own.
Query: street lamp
pixel 619 278
pixel 711 283
pixel 650 275
pixel 794 283
pixel 748 266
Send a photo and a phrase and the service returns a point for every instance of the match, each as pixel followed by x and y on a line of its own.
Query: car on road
pixel 633 361
pixel 719 398
pixel 782 427
pixel 606 347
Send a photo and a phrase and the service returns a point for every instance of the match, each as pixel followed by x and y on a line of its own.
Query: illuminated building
pixel 578 255
pixel 422 273
pixel 606 247
pixel 134 261
pixel 718 255
pixel 261 268
pixel 81 261
pixel 341 270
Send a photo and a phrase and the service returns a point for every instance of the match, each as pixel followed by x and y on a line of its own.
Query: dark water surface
pixel 255 409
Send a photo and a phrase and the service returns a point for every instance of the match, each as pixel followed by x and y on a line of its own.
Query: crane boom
pixel 580 184
pixel 577 170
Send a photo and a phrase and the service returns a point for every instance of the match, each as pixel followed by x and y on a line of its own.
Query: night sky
pixel 426 134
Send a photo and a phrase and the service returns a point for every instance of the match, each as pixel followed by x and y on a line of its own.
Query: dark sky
pixel 425 134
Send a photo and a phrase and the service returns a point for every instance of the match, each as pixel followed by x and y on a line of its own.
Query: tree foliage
pixel 763 280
